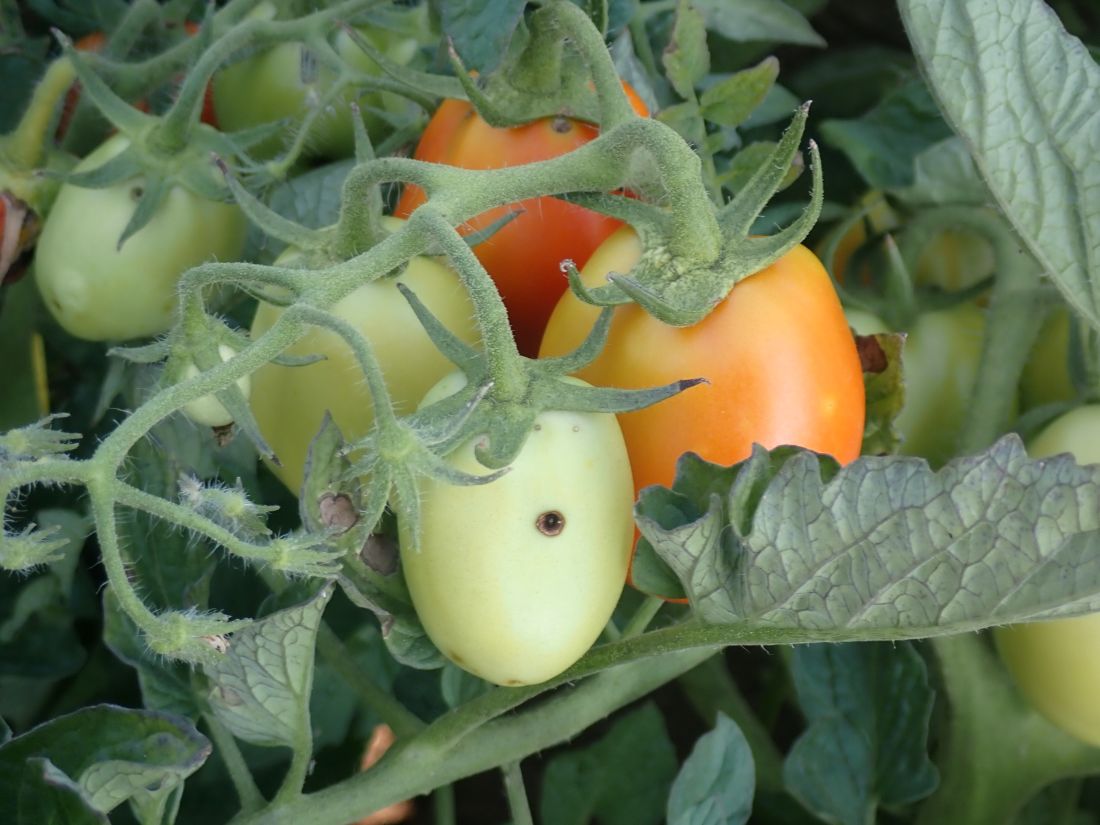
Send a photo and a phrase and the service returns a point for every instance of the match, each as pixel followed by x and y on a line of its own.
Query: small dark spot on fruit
pixel 550 523
pixel 513 683
pixel 137 192
pixel 561 125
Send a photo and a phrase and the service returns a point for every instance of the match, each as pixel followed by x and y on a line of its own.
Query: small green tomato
pixel 514 580
pixel 290 402
pixel 100 292
pixel 208 411
pixel 1056 664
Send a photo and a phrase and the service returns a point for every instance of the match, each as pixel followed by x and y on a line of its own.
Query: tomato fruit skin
pixel 954 260
pixel 1046 378
pixel 208 411
pixel 943 351
pixel 500 597
pixel 1056 664
pixel 268 86
pixel 777 352
pixel 290 402
pixel 101 293
pixel 524 257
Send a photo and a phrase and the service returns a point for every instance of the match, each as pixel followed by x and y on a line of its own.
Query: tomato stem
pixel 518 805
pixel 24 147
pixel 248 794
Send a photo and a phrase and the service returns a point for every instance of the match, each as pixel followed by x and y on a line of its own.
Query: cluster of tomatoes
pixel 515 579
pixel 777 356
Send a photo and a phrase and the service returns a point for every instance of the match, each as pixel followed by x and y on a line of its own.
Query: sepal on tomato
pixel 681 290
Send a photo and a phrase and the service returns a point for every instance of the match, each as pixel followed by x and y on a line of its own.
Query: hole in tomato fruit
pixel 137 192
pixel 561 125
pixel 550 523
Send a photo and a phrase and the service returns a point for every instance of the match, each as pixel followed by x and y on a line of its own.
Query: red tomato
pixel 778 355
pixel 524 257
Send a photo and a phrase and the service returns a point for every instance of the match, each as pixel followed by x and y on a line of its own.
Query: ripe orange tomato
pixel 778 355
pixel 524 257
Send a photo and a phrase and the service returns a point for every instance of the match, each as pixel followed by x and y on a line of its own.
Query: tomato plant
pixel 514 580
pixel 269 86
pixel 943 349
pixel 291 402
pixel 95 42
pixel 1046 378
pixel 777 355
pixel 524 256
pixel 208 410
pixel 101 292
pixel 1054 663
pixel 442 588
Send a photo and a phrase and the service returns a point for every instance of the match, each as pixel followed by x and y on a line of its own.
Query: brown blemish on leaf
pixel 379 553
pixel 872 357
pixel 337 512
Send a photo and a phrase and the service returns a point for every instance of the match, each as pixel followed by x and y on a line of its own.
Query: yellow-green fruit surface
pixel 498 591
pixel 1056 664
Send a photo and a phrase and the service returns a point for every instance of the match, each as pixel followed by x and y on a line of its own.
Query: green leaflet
pixel 884 548
pixel 1025 96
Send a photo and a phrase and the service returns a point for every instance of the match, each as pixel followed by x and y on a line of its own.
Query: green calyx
pixel 681 289
pixel 556 65
pixel 508 411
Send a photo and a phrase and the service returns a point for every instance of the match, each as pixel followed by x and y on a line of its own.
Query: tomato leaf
pixel 20 402
pixel 1023 94
pixel 868 707
pixel 458 686
pixel 884 547
pixel 598 11
pixel 746 162
pixel 847 82
pixel 686 59
pixel 481 29
pixel 261 686
pixel 883 143
pixel 729 102
pixel 48 797
pixel 650 574
pixel 622 779
pixel 944 173
pixel 770 20
pixel 715 785
pixel 37 634
pixel 103 755
pixel 881 355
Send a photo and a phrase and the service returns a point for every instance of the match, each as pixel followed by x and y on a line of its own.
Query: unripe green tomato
pixel 954 260
pixel 940 363
pixel 268 87
pixel 208 411
pixel 290 402
pixel 864 322
pixel 1056 664
pixel 99 292
pixel 514 580
pixel 1046 378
